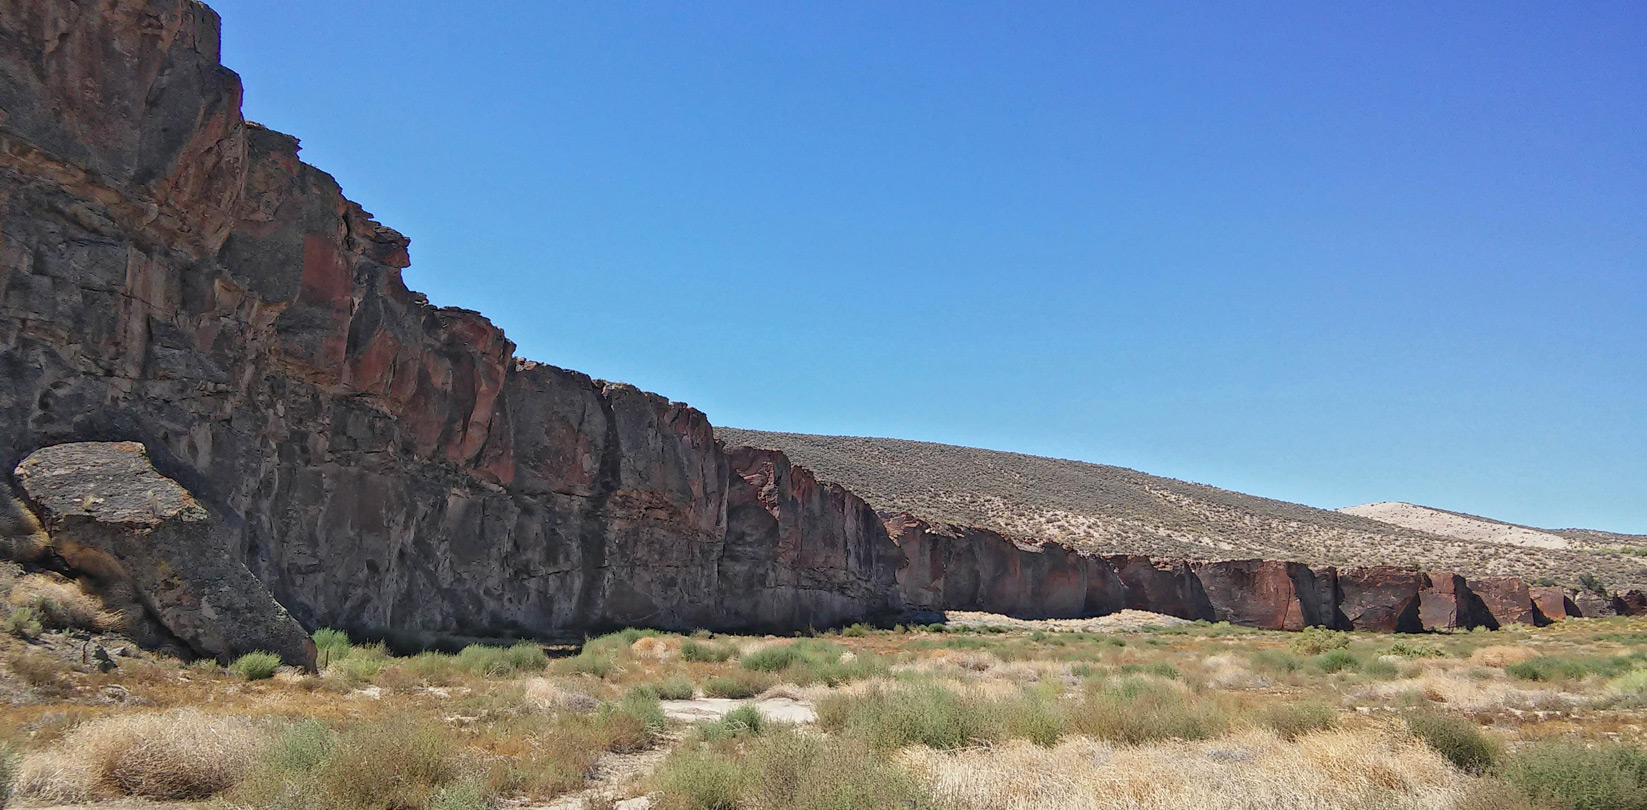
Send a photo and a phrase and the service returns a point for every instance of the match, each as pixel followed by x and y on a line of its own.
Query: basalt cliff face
pixel 178 289
pixel 173 275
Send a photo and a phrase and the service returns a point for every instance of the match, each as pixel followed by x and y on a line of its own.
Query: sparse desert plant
pixel 1574 776
pixel 740 722
pixel 255 666
pixel 698 778
pixel 61 604
pixel 1317 640
pixel 675 687
pixel 503 661
pixel 1456 738
pixel 42 671
pixel 633 723
pixel 1138 709
pixel 706 651
pixel 738 684
pixel 1296 718
pixel 1415 649
pixel 786 770
pixel 1337 661
pixel 177 755
pixel 888 718
pixel 8 772
pixel 21 622
pixel 1631 684
pixel 331 646
pixel 393 763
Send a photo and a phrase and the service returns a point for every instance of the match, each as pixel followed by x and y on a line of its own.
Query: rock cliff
pixel 173 275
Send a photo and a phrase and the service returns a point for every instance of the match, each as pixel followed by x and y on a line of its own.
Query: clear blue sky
pixel 1325 252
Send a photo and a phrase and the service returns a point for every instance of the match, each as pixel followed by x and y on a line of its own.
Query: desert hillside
pixel 1113 509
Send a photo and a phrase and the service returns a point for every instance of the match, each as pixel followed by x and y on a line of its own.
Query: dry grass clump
pixel 60 603
pixel 785 770
pixel 183 754
pixel 1502 655
pixel 1253 770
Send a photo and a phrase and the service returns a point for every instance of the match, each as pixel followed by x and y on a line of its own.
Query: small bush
pixel 61 604
pixel 740 722
pixel 1456 738
pixel 1415 649
pixel 706 652
pixel 701 779
pixel 179 755
pixel 21 622
pixel 859 630
pixel 1380 669
pixel 41 671
pixel 1137 710
pixel 8 772
pixel 1317 640
pixel 1630 684
pixel 256 666
pixel 1577 777
pixel 810 661
pixel 1336 661
pixel 889 718
pixel 1554 668
pixel 393 763
pixel 1275 661
pixel 330 646
pixel 482 659
pixel 676 687
pixel 633 723
pixel 738 685
pixel 1295 719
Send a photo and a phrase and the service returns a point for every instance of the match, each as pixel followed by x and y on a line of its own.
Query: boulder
pixel 1633 602
pixel 1445 602
pixel 1161 586
pixel 1552 604
pixel 1507 600
pixel 1381 598
pixel 109 512
pixel 1271 594
pixel 1593 605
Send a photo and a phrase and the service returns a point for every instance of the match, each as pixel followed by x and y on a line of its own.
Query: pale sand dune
pixel 1462 527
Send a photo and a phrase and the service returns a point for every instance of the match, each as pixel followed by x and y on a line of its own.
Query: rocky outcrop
pixel 961 568
pixel 1446 602
pixel 110 515
pixel 174 276
pixel 1506 599
pixel 1270 593
pixel 1552 604
pixel 1381 598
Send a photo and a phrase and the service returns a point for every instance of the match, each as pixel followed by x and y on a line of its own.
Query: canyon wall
pixel 173 276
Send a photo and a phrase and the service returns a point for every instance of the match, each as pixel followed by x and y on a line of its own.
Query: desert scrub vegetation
pixel 1012 716
pixel 255 666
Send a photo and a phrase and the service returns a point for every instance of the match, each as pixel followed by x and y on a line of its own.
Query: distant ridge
pixel 1107 509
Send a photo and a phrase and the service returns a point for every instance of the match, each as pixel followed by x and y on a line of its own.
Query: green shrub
pixel 1576 777
pixel 740 722
pixel 798 771
pixel 1138 710
pixel 889 718
pixel 331 646
pixel 856 630
pixel 633 723
pixel 1276 661
pixel 695 778
pixel 1630 684
pixel 1160 669
pixel 810 661
pixel 8 772
pixel 482 659
pixel 706 652
pixel 256 666
pixel 738 685
pixel 1456 738
pixel 1294 719
pixel 676 687
pixel 1380 669
pixel 22 622
pixel 1336 661
pixel 392 763
pixel 1415 649
pixel 1317 640
pixel 1035 716
pixel 1553 668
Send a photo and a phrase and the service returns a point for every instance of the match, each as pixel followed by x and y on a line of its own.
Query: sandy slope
pixel 1451 524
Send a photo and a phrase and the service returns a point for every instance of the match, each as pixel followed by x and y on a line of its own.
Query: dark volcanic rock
pixel 1269 593
pixel 953 568
pixel 1507 600
pixel 1595 605
pixel 1382 598
pixel 1552 604
pixel 109 512
pixel 175 276
pixel 1445 602
pixel 1161 586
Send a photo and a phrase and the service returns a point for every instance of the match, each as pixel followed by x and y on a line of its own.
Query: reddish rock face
pixel 1551 604
pixel 1267 593
pixel 1381 598
pixel 1633 603
pixel 977 569
pixel 1594 605
pixel 174 276
pixel 1161 586
pixel 1507 599
pixel 1446 602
